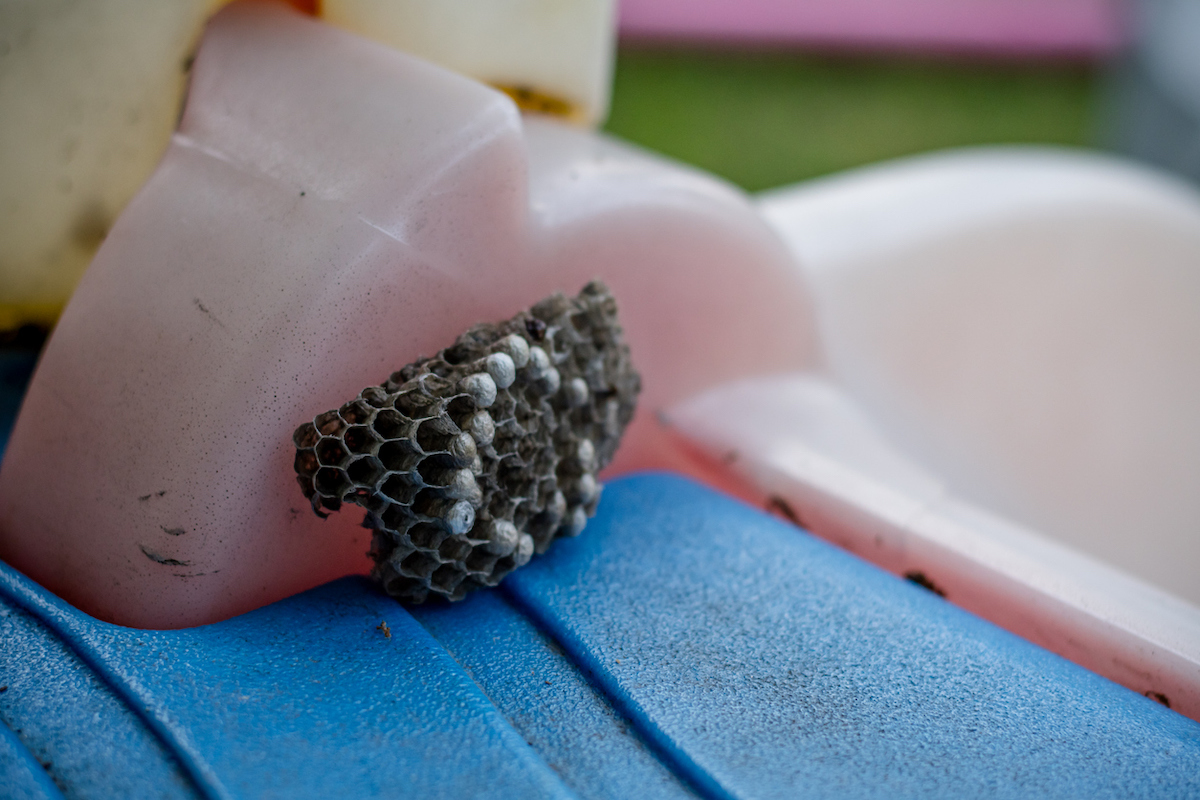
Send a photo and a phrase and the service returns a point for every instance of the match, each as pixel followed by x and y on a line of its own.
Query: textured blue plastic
pixel 57 702
pixel 684 644
pixel 549 700
pixel 766 663
pixel 22 777
pixel 304 698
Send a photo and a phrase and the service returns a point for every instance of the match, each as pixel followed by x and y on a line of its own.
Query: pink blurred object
pixel 329 211
pixel 1072 28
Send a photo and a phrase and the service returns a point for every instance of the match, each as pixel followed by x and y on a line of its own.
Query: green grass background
pixel 764 119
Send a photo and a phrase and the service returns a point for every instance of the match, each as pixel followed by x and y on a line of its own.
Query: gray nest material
pixel 471 461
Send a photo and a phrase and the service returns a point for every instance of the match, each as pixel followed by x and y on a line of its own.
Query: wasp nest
pixel 471 461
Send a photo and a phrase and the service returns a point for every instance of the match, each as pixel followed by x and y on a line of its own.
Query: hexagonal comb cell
pixel 470 461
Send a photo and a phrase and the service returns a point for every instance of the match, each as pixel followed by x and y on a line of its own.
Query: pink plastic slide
pixel 1080 28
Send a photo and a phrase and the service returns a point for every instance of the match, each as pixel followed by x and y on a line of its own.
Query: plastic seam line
pixel 655 738
pixel 199 773
pixel 41 778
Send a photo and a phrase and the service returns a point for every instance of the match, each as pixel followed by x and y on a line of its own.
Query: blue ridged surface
pixel 766 663
pixel 22 776
pixel 684 644
pixel 555 706
pixel 55 702
pixel 304 698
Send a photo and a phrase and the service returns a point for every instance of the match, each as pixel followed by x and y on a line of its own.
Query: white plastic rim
pixel 1023 322
pixel 814 455
pixel 1008 403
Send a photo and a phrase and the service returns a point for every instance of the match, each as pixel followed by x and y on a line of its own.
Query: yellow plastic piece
pixel 91 93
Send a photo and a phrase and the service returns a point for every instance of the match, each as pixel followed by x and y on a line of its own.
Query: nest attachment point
pixel 469 462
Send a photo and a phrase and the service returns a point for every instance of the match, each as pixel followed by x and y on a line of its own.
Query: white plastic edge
pixel 870 501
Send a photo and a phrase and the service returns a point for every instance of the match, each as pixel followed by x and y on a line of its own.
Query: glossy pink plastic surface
pixel 330 210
